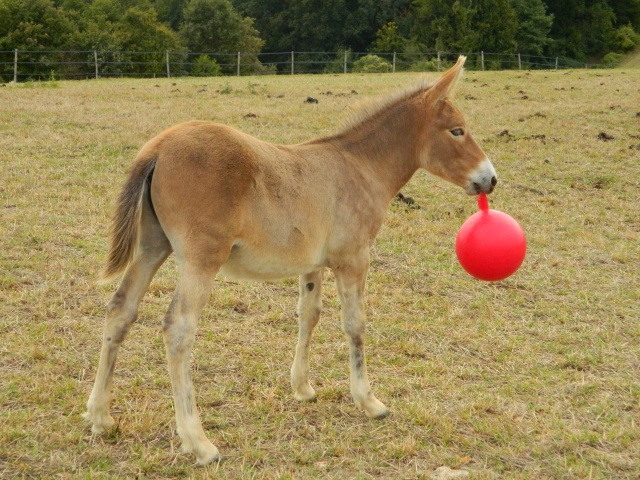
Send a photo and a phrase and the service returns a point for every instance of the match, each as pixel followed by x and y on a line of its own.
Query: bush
pixel 626 38
pixel 206 66
pixel 424 66
pixel 371 64
pixel 336 65
pixel 611 60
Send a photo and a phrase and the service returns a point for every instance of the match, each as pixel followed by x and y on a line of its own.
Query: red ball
pixel 490 244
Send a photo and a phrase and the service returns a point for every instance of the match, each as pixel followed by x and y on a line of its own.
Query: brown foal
pixel 223 201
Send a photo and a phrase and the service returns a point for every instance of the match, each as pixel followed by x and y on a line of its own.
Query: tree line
pixel 585 30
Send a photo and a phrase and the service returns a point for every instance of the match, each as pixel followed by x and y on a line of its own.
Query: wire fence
pixel 26 65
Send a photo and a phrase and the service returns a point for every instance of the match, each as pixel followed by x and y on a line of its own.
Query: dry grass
pixel 533 377
pixel 631 60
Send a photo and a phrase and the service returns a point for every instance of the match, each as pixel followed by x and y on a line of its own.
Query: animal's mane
pixel 367 109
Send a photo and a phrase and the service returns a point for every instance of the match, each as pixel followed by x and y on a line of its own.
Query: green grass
pixel 533 377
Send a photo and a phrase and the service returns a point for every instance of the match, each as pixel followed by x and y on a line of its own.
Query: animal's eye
pixel 457 132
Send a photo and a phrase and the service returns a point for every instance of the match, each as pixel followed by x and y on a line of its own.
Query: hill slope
pixel 632 60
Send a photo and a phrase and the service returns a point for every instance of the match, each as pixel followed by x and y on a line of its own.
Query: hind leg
pixel 309 307
pixel 179 329
pixel 122 311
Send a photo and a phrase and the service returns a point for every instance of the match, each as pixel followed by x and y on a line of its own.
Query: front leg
pixel 309 307
pixel 350 279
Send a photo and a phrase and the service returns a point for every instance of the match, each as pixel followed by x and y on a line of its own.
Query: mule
pixel 225 202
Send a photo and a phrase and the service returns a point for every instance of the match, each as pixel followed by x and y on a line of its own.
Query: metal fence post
pixel 15 66
pixel 292 62
pixel 168 69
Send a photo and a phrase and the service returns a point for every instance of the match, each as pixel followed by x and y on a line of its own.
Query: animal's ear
pixel 443 88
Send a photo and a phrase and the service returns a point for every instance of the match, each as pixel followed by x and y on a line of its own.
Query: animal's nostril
pixel 494 181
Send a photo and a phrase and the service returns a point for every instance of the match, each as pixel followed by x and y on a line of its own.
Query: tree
pixel 465 25
pixel 388 39
pixel 315 25
pixel 581 28
pixel 32 25
pixel 170 12
pixel 534 25
pixel 139 31
pixel 627 13
pixel 215 26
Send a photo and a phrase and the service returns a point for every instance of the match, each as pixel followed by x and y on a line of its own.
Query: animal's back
pixel 267 201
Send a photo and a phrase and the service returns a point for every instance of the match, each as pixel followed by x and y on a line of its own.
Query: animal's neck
pixel 386 143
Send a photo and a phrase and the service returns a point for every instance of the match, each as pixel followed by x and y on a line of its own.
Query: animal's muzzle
pixel 484 179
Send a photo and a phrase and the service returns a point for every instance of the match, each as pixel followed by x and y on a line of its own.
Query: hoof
pixel 99 425
pixel 307 394
pixel 374 408
pixel 381 415
pixel 212 455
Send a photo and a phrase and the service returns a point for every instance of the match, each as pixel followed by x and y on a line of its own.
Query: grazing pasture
pixel 536 376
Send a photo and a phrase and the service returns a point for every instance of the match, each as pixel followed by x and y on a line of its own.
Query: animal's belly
pixel 247 263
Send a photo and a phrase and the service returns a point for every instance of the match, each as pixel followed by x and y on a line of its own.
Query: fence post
pixel 238 69
pixel 482 57
pixel 15 66
pixel 168 69
pixel 394 62
pixel 519 63
pixel 439 64
pixel 95 62
pixel 292 63
pixel 345 60
pixel 556 63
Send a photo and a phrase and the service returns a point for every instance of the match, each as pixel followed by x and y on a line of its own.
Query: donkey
pixel 226 202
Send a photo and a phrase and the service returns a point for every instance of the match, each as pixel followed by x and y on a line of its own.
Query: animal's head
pixel 449 151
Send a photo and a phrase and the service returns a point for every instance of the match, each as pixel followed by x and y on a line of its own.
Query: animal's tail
pixel 125 224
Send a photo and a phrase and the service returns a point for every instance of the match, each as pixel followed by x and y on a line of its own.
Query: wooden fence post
pixel 345 61
pixel 95 62
pixel 482 58
pixel 168 69
pixel 394 62
pixel 15 66
pixel 439 64
pixel 292 62
pixel 519 63
pixel 556 63
pixel 238 73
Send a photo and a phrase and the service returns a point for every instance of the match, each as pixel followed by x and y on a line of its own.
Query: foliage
pixel 612 59
pixel 336 64
pixel 626 39
pixel 465 25
pixel 534 25
pixel 388 39
pixel 371 64
pixel 580 29
pixel 205 66
pixel 215 26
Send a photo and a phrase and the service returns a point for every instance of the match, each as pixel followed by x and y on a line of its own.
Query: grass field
pixel 534 377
